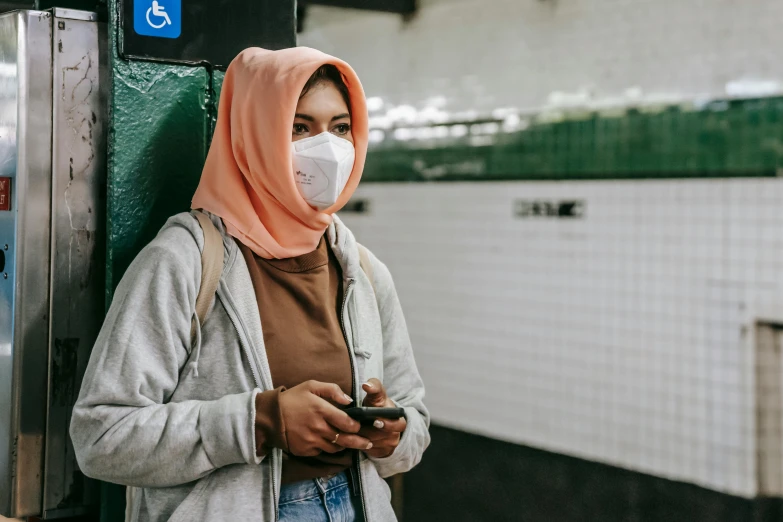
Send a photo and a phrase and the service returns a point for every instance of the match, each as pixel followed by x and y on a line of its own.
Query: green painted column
pixel 160 120
pixel 160 124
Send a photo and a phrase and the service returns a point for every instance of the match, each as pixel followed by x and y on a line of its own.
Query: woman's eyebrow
pixel 304 117
pixel 341 116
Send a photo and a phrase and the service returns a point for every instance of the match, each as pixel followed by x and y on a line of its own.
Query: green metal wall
pixel 721 139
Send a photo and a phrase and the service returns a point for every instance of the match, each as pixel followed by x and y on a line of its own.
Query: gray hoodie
pixel 174 417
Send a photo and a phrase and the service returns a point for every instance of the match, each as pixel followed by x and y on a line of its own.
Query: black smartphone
pixel 366 414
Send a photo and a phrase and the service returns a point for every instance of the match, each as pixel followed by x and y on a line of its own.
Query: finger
pixel 376 393
pixel 377 436
pixel 391 425
pixel 329 391
pixel 380 453
pixel 384 448
pixel 349 440
pixel 372 434
pixel 339 420
pixel 332 447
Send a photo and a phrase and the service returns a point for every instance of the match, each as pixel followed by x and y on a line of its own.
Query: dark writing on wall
pixel 528 208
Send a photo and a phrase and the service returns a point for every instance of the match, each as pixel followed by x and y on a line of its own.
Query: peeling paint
pixel 143 77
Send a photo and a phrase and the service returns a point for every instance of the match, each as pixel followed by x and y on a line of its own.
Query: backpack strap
pixel 211 269
pixel 364 262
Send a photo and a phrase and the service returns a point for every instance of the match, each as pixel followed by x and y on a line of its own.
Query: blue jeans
pixel 321 500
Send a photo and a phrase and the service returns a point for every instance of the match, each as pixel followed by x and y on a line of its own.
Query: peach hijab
pixel 248 178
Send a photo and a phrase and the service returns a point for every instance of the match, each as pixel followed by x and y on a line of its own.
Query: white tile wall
pixel 624 337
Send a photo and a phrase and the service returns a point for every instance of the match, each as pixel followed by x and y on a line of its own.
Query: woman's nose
pixel 319 128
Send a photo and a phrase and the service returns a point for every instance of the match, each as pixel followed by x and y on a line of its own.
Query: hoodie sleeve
pixel 124 429
pixel 401 378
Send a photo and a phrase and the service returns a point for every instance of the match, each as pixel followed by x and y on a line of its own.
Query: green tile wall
pixel 737 138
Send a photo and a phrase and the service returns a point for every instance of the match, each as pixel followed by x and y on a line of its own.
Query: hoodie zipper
pixel 356 384
pixel 239 326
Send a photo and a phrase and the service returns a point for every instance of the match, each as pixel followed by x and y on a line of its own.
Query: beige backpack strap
pixel 364 262
pixel 211 269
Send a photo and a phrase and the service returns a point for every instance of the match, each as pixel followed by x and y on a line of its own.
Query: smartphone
pixel 366 414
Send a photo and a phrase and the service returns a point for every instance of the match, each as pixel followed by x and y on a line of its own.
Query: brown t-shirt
pixel 300 304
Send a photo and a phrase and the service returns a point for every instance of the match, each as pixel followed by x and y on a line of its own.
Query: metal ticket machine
pixel 52 170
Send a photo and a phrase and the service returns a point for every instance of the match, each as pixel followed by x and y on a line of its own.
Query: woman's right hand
pixel 312 423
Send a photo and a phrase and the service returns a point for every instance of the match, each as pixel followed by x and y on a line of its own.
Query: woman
pixel 241 418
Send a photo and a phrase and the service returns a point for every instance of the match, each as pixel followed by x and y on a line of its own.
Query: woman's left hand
pixel 384 434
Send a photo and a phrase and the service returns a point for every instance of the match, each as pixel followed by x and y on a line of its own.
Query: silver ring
pixel 335 438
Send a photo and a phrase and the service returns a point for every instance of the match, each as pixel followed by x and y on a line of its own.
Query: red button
pixel 5 194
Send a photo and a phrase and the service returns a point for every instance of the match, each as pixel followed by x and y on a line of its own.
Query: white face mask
pixel 322 166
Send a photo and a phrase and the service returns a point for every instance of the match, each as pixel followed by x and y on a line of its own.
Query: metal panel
pixel 769 409
pixel 25 156
pixel 76 291
pixel 8 121
pixel 75 14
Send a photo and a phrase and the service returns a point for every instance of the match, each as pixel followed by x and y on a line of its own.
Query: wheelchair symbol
pixel 160 12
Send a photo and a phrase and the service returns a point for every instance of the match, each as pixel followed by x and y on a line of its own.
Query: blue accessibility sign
pixel 161 18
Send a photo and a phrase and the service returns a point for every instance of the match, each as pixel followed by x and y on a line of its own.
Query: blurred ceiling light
pixel 512 122
pixel 441 131
pixel 380 122
pixel 579 98
pixel 403 134
pixel 403 113
pixel 502 112
pixel 377 136
pixel 432 115
pixel 750 88
pixel 484 128
pixel 634 94
pixel 490 128
pixel 425 133
pixel 374 103
pixel 458 131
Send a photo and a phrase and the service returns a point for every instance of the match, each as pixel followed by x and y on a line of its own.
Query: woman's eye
pixel 343 128
pixel 299 128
